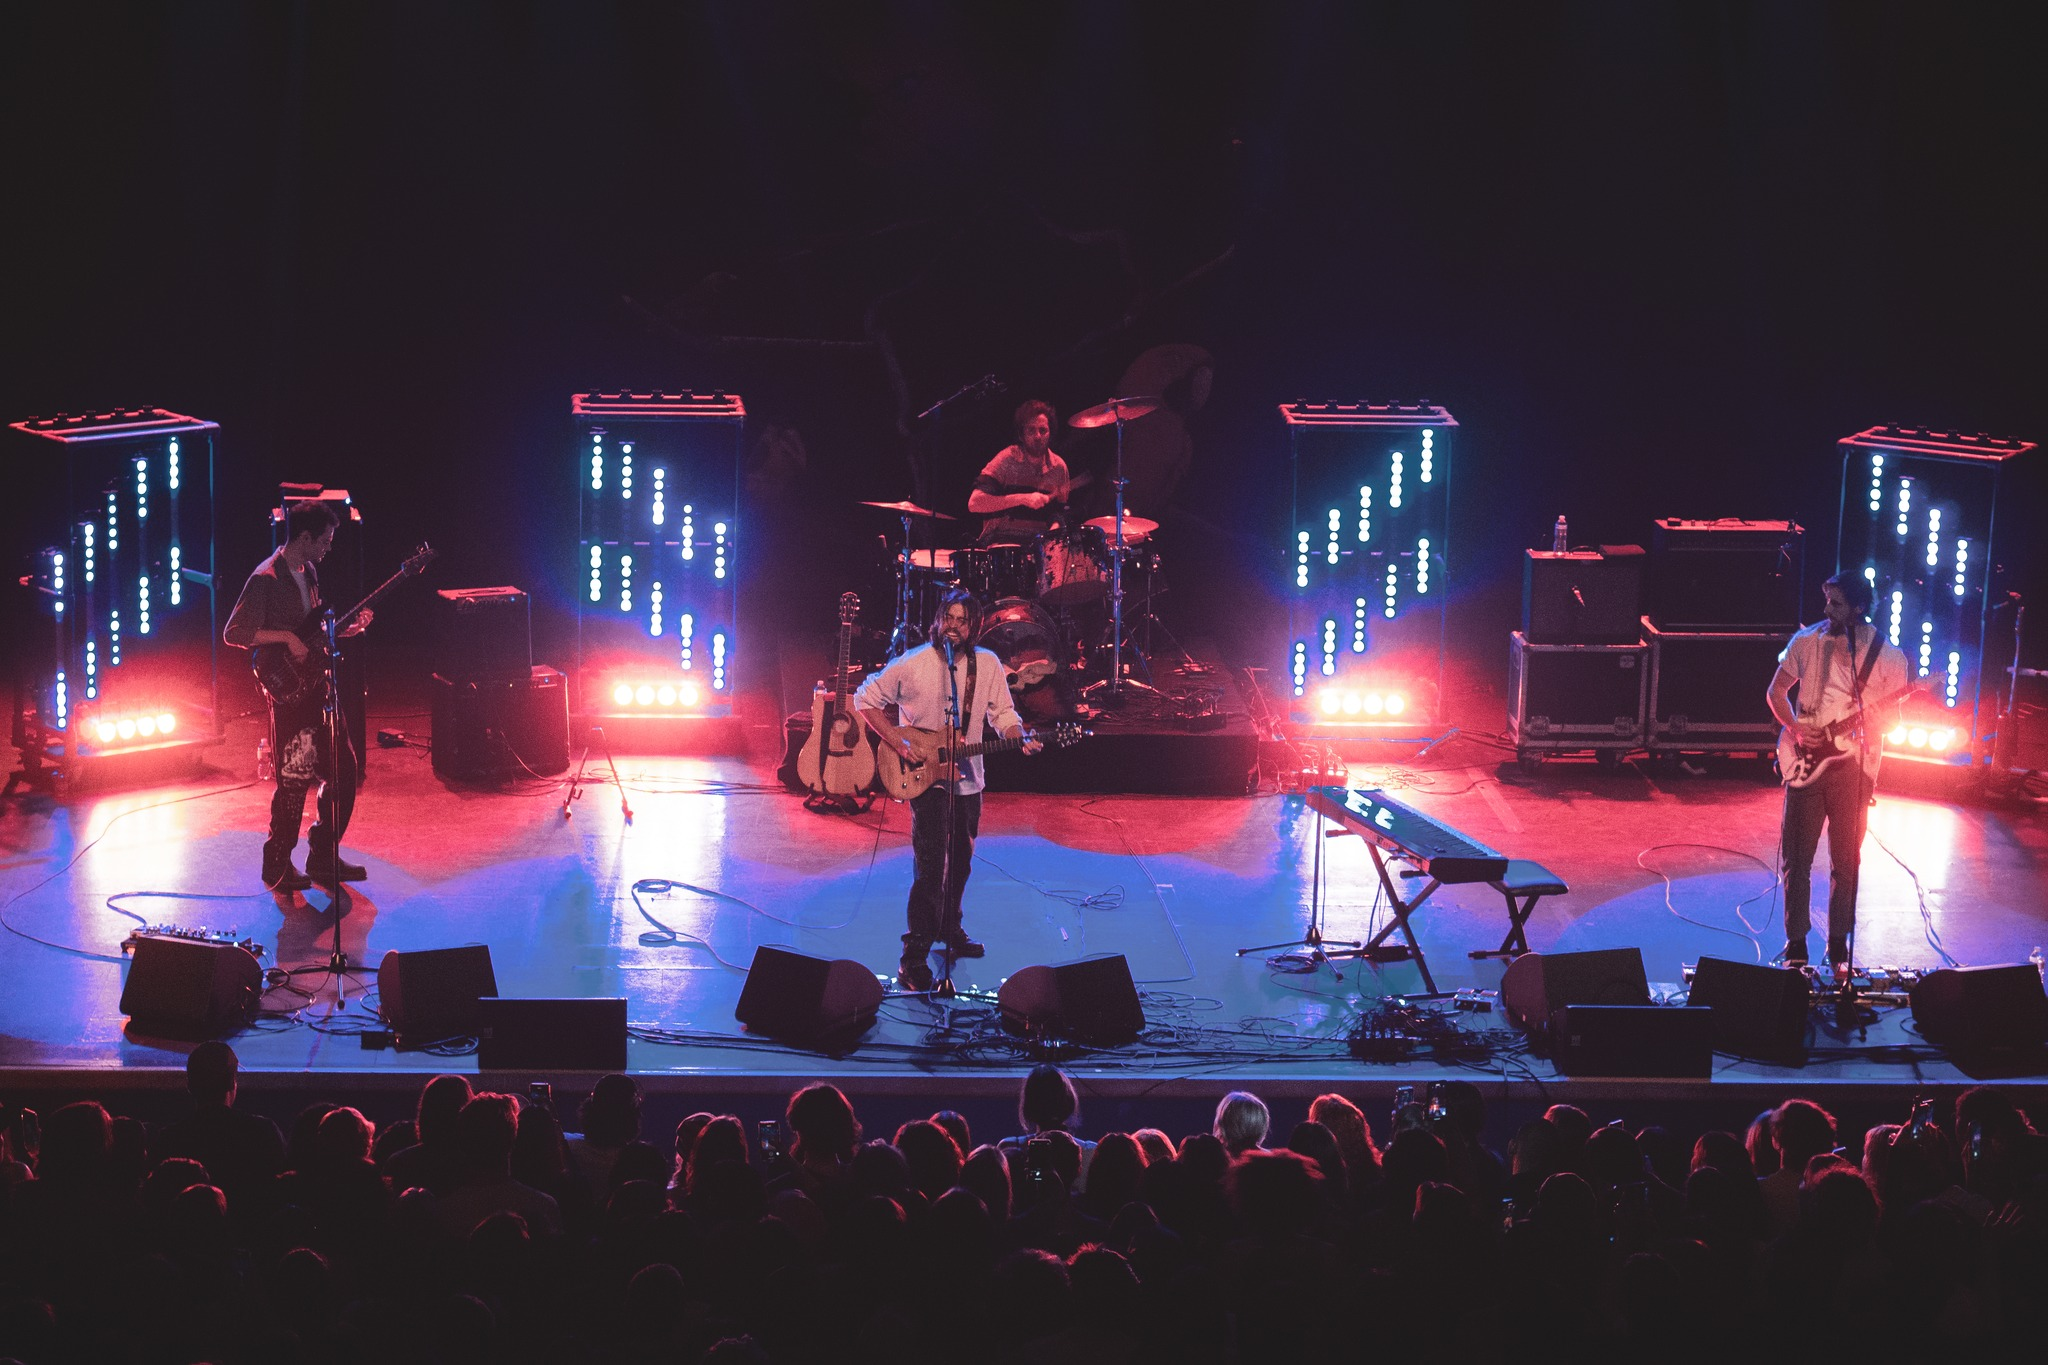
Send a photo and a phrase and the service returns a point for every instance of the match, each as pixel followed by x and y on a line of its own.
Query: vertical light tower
pixel 130 677
pixel 1367 567
pixel 1919 516
pixel 657 567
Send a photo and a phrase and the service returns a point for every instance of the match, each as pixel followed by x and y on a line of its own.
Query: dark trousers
pixel 1840 799
pixel 304 764
pixel 932 916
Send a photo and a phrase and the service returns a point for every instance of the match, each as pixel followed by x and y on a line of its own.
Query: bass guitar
pixel 838 760
pixel 1802 762
pixel 903 780
pixel 289 682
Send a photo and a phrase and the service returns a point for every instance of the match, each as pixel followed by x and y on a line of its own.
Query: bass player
pixel 949 683
pixel 280 594
pixel 1839 666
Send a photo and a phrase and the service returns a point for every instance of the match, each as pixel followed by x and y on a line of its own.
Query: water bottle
pixel 264 770
pixel 1559 542
pixel 2040 965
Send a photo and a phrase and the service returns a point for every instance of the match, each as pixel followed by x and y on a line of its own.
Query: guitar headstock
pixel 849 608
pixel 1062 734
pixel 419 560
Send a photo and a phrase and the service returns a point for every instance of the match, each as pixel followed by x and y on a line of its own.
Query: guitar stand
pixel 576 782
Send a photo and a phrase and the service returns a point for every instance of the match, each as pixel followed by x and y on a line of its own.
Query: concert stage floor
pixel 1174 884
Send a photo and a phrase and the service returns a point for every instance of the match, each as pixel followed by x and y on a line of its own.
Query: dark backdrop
pixel 1656 258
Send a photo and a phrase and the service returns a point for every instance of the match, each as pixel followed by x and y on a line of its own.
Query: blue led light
pixel 718 564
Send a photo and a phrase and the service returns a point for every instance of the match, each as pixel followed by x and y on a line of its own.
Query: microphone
pixel 946 643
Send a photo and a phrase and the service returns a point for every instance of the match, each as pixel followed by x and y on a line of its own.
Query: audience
pixel 486 1239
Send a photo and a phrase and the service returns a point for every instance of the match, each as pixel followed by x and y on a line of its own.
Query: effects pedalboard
pixel 1878 985
pixel 219 938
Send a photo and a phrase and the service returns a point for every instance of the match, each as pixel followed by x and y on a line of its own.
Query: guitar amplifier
pixel 486 729
pixel 482 633
pixel 1727 575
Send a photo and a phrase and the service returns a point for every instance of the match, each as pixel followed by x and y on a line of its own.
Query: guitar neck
pixel 990 746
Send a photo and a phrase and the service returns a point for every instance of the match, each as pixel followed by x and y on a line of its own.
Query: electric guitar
pixel 904 780
pixel 838 759
pixel 289 682
pixel 1802 762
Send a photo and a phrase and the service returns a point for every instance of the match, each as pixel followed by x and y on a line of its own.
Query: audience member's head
pixel 1801 1130
pixel 987 1173
pixel 1664 1154
pixel 1047 1100
pixel 1839 1206
pixel 485 1132
pixel 210 1073
pixel 1763 1150
pixel 540 1157
pixel 686 1139
pixel 1348 1124
pixel 1319 1145
pixel 1466 1106
pixel 644 1163
pixel 1574 1125
pixel 1612 1158
pixel 823 1130
pixel 722 1140
pixel 879 1170
pixel 1106 1290
pixel 955 1124
pixel 77 1141
pixel 1241 1122
pixel 1275 1194
pixel 300 1141
pixel 611 1116
pixel 932 1155
pixel 1723 1151
pixel 343 1140
pixel 440 1101
pixel 1537 1151
pixel 1032 1297
pixel 1114 1174
pixel 1415 1155
pixel 1158 1147
pixel 1203 1159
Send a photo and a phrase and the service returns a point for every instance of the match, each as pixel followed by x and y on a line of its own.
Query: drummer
pixel 1023 490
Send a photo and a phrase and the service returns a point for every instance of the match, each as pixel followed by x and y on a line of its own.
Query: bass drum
pixel 1025 638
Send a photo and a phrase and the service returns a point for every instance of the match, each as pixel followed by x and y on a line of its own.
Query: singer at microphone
pixel 922 685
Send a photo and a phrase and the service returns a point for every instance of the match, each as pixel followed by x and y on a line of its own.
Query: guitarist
pixel 1837 665
pixel 945 819
pixel 283 591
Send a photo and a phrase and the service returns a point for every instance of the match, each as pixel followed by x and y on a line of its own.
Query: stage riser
pixel 1148 761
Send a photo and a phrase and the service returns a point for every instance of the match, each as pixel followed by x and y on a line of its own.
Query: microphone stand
pixel 328 806
pixel 954 726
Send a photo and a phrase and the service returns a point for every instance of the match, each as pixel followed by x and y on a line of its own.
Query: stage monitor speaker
pixel 1982 1009
pixel 1633 1040
pixel 482 633
pixel 1758 1012
pixel 431 995
pixel 1537 985
pixel 494 728
pixel 186 989
pixel 1582 598
pixel 1093 1001
pixel 812 1000
pixel 551 1035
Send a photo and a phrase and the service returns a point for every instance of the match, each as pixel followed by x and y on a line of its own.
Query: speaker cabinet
pixel 1537 985
pixel 1093 1001
pixel 482 633
pixel 486 729
pixel 551 1035
pixel 1758 1012
pixel 1576 696
pixel 811 1000
pixel 1982 1009
pixel 1727 575
pixel 1582 598
pixel 1633 1040
pixel 431 995
pixel 185 989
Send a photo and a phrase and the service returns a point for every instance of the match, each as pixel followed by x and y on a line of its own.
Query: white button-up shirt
pixel 915 683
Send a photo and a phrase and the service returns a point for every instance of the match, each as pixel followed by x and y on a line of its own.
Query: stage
pixel 1176 884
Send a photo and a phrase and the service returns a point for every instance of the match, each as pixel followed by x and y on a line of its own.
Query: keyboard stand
pixel 1376 948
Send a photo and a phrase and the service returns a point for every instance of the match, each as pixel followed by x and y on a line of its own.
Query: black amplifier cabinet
pixel 1565 698
pixel 495 728
pixel 1707 689
pixel 1582 597
pixel 482 633
pixel 1726 575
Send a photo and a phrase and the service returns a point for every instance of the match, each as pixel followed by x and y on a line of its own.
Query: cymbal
pixel 1106 414
pixel 1135 528
pixel 909 509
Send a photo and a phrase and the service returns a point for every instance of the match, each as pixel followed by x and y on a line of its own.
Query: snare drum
pixel 1075 568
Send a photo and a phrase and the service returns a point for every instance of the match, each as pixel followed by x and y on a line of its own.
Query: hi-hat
pixel 909 509
pixel 1135 528
pixel 1115 410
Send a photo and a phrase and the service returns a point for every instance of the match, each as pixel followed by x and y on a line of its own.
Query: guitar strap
pixel 1863 676
pixel 967 707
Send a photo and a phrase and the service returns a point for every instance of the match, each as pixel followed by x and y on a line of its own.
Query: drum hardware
pixel 1116 412
pixel 905 632
pixel 1135 528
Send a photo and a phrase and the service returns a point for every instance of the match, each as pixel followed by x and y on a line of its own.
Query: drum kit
pixel 1054 605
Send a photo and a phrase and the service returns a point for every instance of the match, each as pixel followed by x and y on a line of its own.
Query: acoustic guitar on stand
pixel 838 761
pixel 903 780
pixel 1802 762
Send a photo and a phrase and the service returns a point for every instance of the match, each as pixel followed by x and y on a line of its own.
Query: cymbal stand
pixel 1112 688
pixel 903 634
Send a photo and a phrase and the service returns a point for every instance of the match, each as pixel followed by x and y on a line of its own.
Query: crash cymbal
pixel 1106 414
pixel 909 509
pixel 1135 528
